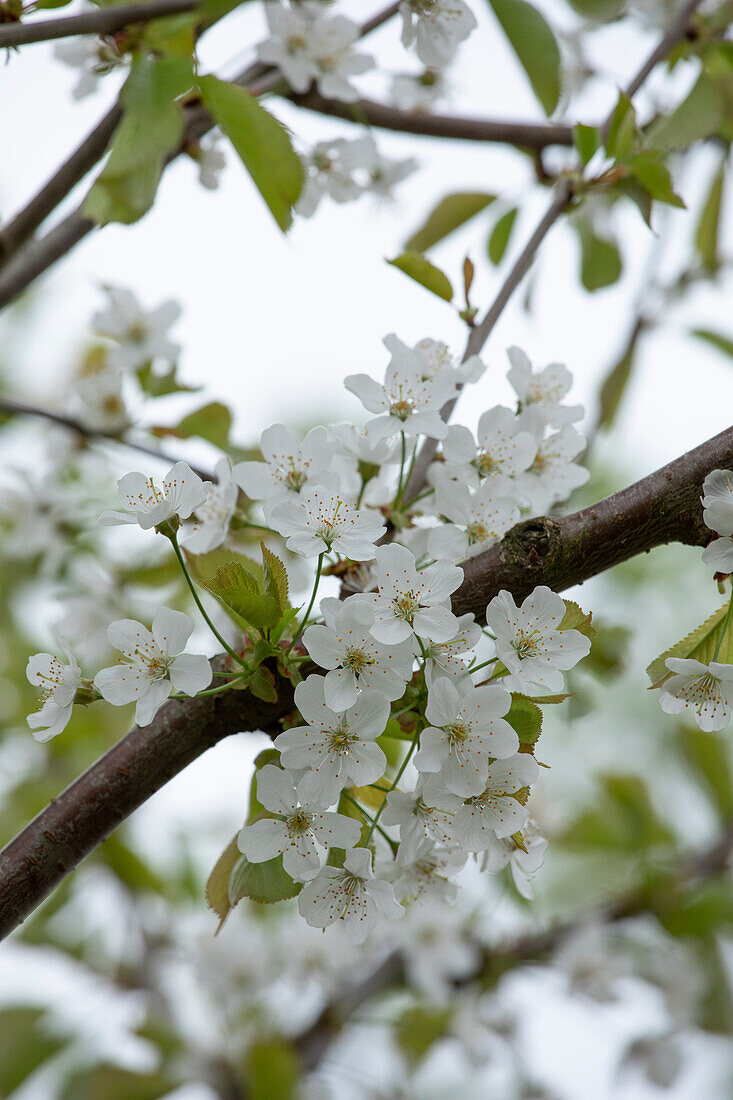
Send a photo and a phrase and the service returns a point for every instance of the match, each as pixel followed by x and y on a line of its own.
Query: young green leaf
pixel 500 235
pixel 716 339
pixel 623 131
pixel 217 884
pixel 587 140
pixel 276 579
pixel 419 268
pixel 535 46
pixel 525 718
pixel 265 883
pixel 700 645
pixel 697 117
pixel 707 231
pixel 262 143
pixel 577 619
pixel 451 212
pixel 211 422
pixel 653 174
pixel 600 259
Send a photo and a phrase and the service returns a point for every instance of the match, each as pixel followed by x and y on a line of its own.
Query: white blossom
pixel 437 27
pixel 302 825
pixel 97 399
pixel 717 503
pixel 466 730
pixel 143 502
pixel 93 57
pixel 705 691
pixel 529 642
pixel 418 92
pixel 307 45
pixel 495 812
pixel 407 402
pixel 418 816
pixel 438 360
pixel 448 658
pixel 479 518
pixel 437 949
pixel 523 865
pixel 355 443
pixel 339 748
pixel 410 601
pixel 554 474
pixel 350 894
pixel 154 664
pixel 384 173
pixel 141 334
pixel 424 874
pixel 57 682
pixel 504 448
pixel 543 389
pixel 321 520
pixel 330 170
pixel 356 659
pixel 211 519
pixel 288 466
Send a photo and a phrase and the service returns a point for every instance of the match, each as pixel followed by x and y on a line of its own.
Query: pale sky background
pixel 273 324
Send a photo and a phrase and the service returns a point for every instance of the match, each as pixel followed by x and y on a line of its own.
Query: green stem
pixel 724 628
pixel 397 778
pixel 402 469
pixel 197 600
pixel 304 623
pixel 475 668
pixel 212 691
pixel 369 817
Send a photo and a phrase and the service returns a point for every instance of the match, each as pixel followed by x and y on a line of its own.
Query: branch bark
pixel 85 432
pixel 663 507
pixel 526 134
pixel 107 21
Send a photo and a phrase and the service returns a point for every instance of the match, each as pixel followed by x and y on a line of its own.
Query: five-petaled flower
pixel 302 825
pixel 154 664
pixel 143 502
pixel 339 748
pixel 495 811
pixel 411 601
pixel 705 691
pixel 57 683
pixel 350 894
pixel 529 641
pixel 321 520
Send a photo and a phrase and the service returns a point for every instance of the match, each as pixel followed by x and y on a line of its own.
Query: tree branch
pixel 107 21
pixel 663 507
pixel 527 134
pixel 8 405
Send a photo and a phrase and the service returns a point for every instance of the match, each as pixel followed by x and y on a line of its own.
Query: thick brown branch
pixel 7 405
pixel 107 21
pixel 664 507
pixel 72 826
pixel 525 134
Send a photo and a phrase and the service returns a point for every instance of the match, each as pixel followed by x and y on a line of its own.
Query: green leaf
pixel 265 883
pixel 212 422
pixel 116 1083
pixel 525 718
pixel 217 884
pixel 261 142
pixel 205 566
pixel 151 127
pixel 653 174
pixel 707 231
pixel 535 46
pixel 161 385
pixel 276 579
pixel 600 259
pixel 638 195
pixel 615 383
pixel 419 268
pixel 715 339
pixel 623 131
pixel 699 645
pixel 238 592
pixel 587 140
pixel 272 1070
pixel 499 236
pixel 25 1045
pixel 697 117
pixel 577 619
pixel 600 11
pixel 418 1028
pixel 451 212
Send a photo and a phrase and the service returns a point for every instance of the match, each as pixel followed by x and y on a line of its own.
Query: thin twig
pixel 526 134
pixel 107 21
pixel 20 408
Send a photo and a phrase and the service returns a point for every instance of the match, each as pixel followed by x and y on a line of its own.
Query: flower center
pixel 526 645
pixel 402 406
pixel 341 740
pixel 485 463
pixel 356 660
pixel 478 533
pixel 457 732
pixel 406 606
pixel 299 823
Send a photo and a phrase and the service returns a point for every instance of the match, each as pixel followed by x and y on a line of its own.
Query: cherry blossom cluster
pixel 703 689
pixel 406 760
